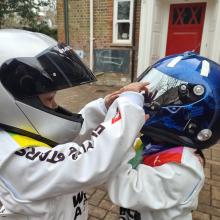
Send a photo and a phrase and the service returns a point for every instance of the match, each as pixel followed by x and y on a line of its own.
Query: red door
pixel 185 27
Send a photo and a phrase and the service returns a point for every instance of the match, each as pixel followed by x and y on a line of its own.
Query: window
pixel 123 21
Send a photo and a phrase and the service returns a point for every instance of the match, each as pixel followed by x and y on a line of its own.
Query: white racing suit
pixel 165 186
pixel 39 182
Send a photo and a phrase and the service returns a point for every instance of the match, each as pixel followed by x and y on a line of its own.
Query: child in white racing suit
pixel 163 180
pixel 48 155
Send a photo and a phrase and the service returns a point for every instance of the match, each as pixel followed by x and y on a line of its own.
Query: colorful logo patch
pixel 172 155
pixel 117 117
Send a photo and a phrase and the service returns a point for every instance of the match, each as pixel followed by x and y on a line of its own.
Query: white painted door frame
pixel 210 45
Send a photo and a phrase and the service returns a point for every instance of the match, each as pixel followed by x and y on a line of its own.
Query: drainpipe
pixel 91 35
pixel 133 75
pixel 66 21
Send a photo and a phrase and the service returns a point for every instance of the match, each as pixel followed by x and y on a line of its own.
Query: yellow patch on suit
pixel 138 144
pixel 25 141
pixel 138 147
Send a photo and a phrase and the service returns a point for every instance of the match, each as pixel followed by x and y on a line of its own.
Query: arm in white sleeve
pixel 93 114
pixel 153 188
pixel 36 173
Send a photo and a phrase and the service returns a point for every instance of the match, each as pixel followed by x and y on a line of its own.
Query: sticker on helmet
pixel 205 68
pixel 174 61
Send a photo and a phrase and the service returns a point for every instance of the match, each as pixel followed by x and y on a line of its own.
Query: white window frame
pixel 116 22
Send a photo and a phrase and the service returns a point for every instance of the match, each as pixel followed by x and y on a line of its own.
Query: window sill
pixel 120 45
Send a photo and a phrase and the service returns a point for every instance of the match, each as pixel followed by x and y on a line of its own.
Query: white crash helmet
pixel 32 64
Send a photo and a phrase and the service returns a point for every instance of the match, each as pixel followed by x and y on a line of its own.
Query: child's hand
pixel 149 96
pixel 147 116
pixel 110 98
pixel 135 87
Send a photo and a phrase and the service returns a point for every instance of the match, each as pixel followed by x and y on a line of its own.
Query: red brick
pixel 200 216
pixel 97 212
pixel 79 28
pixel 97 197
pixel 205 197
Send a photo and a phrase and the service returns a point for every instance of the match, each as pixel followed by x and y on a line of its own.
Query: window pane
pixel 175 16
pixel 187 15
pixel 124 10
pixel 123 31
pixel 198 12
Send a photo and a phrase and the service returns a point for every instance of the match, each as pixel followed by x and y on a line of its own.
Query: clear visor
pixel 160 82
pixel 165 90
pixel 162 88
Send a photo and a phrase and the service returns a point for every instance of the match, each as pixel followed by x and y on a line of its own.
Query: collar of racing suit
pixel 148 153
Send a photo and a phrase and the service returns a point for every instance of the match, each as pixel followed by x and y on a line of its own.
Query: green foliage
pixel 25 13
pixel 43 28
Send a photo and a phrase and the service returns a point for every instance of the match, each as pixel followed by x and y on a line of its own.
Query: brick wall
pixel 60 21
pixel 209 200
pixel 79 26
pixel 79 33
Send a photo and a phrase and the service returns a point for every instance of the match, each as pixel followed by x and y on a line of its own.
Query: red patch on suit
pixel 172 155
pixel 117 117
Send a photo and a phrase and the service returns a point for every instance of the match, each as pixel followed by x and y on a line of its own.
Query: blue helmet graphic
pixel 183 100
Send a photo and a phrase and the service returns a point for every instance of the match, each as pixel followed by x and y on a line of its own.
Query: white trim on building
pixel 121 21
pixel 154 20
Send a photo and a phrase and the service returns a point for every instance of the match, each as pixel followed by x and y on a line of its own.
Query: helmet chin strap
pixel 167 137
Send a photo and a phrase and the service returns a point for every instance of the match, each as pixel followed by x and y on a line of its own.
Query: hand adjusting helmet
pixel 183 100
pixel 33 64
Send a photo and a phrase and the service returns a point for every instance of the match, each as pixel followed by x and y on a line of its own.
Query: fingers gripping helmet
pixel 32 64
pixel 183 100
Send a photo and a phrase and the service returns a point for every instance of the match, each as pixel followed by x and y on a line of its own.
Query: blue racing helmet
pixel 183 100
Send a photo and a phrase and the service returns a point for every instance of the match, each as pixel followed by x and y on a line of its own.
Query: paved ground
pixel 74 99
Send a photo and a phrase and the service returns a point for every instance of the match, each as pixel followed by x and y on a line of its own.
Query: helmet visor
pixel 166 90
pixel 162 88
pixel 54 69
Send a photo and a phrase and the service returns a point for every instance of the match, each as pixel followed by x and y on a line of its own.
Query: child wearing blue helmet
pixel 163 179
